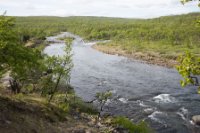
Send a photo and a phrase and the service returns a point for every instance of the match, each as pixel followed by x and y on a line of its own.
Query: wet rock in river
pixel 196 119
pixel 148 111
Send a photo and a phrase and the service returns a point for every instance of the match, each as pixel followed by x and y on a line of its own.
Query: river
pixel 140 91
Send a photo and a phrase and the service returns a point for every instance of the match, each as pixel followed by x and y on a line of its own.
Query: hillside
pixel 160 39
pixel 32 116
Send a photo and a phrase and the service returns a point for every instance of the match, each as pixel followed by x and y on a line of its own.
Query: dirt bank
pixel 150 58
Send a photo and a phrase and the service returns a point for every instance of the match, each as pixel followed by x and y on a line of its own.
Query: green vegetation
pixel 174 31
pixel 60 68
pixel 68 40
pixel 14 55
pixel 164 37
pixel 39 95
pixel 102 98
pixel 20 45
pixel 185 1
pixel 33 76
pixel 141 127
pixel 28 66
pixel 189 67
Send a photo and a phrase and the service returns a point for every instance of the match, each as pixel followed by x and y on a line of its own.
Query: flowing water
pixel 140 91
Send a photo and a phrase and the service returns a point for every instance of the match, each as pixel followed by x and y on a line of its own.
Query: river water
pixel 140 91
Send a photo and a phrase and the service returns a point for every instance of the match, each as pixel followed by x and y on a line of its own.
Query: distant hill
pixel 166 36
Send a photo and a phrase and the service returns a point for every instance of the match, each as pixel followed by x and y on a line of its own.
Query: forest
pixel 157 41
pixel 167 35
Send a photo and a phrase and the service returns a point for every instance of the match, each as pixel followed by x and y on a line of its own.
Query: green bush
pixel 81 106
pixel 124 122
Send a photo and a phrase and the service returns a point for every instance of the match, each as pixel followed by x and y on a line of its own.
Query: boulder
pixel 196 119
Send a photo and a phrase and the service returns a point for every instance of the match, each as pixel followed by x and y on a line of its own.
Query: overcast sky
pixel 109 8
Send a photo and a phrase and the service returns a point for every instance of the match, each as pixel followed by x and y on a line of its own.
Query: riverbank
pixel 148 57
pixel 31 114
pixel 29 111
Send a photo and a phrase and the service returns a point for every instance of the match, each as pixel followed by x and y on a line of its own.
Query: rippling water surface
pixel 141 91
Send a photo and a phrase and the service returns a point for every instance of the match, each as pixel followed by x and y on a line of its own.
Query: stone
pixel 196 119
pixel 148 111
pixel 8 122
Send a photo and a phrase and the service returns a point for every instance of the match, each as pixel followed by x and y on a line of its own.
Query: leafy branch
pixel 189 69
pixel 102 98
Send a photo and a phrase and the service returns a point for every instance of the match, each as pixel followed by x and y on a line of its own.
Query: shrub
pixel 124 122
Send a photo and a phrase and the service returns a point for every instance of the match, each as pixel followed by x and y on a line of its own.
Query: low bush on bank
pixel 124 122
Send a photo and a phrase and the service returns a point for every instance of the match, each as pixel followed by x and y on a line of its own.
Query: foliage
pixel 185 1
pixel 103 97
pixel 190 66
pixel 6 31
pixel 141 127
pixel 28 65
pixel 59 67
pixel 70 101
pixel 189 69
pixel 23 62
pixel 168 36
pixel 64 106
pixel 67 39
pixel 82 106
pixel 7 39
pixel 46 85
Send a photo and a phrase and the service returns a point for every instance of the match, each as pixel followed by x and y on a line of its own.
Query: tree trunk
pixel 14 86
pixel 55 88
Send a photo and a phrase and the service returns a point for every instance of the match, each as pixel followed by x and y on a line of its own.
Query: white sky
pixel 109 8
